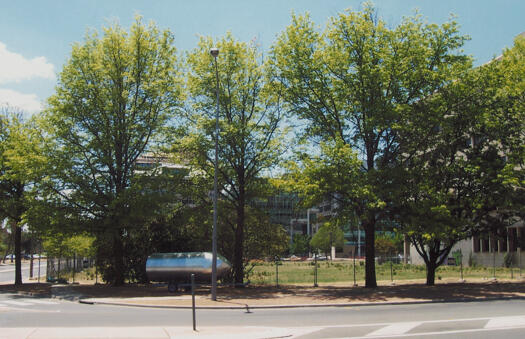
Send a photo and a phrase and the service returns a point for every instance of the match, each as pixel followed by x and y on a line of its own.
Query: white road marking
pixel 43 302
pixel 394 329
pixel 26 310
pixel 17 303
pixel 501 322
pixel 422 334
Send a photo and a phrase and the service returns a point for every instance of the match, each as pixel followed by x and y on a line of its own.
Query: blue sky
pixel 36 36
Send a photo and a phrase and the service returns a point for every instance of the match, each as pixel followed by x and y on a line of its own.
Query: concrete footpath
pixel 251 297
pixel 242 332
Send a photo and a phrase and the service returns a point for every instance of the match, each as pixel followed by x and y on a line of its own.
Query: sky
pixel 36 36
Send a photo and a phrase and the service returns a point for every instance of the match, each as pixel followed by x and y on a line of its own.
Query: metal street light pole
pixel 308 230
pixel 215 52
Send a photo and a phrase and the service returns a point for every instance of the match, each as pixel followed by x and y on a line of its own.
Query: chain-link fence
pixel 65 270
pixel 388 270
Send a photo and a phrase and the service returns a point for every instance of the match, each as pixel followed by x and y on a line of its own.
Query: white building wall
pixel 464 245
pixel 486 259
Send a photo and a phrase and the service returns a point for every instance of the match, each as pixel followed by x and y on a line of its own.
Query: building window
pixel 521 238
pixel 502 240
pixel 485 245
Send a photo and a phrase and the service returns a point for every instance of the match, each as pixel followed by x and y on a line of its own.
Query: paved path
pixel 26 302
pixel 31 317
pixel 22 316
pixel 7 272
pixel 146 332
pixel 513 326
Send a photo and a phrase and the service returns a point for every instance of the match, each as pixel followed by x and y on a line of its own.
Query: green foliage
pixel 400 128
pixel 61 246
pixel 250 135
pixel 361 83
pixel 264 239
pixel 335 172
pixel 458 257
pixel 21 163
pixel 385 246
pixel 505 118
pixel 457 181
pixel 507 259
pixel 328 235
pixel 115 94
pixel 300 245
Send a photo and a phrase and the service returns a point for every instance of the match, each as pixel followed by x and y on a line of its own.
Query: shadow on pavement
pixel 287 294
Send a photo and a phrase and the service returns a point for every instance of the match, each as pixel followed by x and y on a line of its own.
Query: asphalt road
pixel 7 272
pixel 442 320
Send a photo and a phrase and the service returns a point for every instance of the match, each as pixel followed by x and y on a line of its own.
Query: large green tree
pixel 250 138
pixel 114 96
pixel 20 167
pixel 358 81
pixel 508 117
pixel 460 179
pixel 12 186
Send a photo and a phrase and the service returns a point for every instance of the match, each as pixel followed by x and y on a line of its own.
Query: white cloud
pixel 26 102
pixel 15 67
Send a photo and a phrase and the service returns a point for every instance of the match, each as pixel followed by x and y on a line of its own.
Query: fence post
pixel 74 265
pixel 493 262
pixel 461 264
pixel 315 270
pixel 39 265
pixel 353 251
pixel 276 272
pixel 47 268
pixel 519 260
pixel 391 269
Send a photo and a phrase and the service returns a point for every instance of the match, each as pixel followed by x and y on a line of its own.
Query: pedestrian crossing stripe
pixel 29 302
pixel 17 303
pixel 502 322
pixel 409 329
pixel 399 328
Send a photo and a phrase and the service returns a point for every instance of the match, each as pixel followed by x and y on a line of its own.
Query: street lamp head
pixel 214 52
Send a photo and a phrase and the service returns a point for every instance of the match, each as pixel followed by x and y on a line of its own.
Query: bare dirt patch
pixel 158 295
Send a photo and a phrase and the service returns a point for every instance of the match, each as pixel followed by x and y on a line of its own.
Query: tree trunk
pixel 370 265
pixel 118 259
pixel 31 266
pixel 18 253
pixel 431 273
pixel 238 267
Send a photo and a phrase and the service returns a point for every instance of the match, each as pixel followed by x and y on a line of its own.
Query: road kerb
pixel 100 301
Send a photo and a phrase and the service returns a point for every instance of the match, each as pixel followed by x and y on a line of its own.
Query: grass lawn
pixel 302 272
